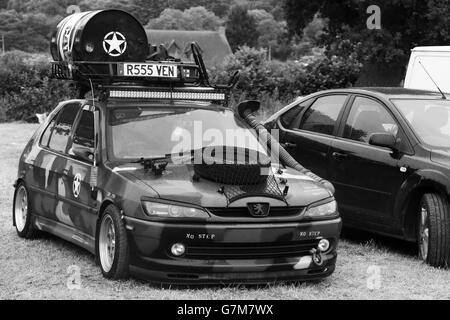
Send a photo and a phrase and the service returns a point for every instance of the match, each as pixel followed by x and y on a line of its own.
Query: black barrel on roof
pixel 103 36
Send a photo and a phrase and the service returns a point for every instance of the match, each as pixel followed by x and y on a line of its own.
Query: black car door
pixel 366 177
pixel 308 138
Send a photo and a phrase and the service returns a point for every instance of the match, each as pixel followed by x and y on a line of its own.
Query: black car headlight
pixel 322 211
pixel 164 210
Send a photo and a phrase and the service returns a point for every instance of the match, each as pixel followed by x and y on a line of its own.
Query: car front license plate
pixel 148 70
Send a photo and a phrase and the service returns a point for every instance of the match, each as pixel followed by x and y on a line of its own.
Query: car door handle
pixel 340 156
pixel 289 145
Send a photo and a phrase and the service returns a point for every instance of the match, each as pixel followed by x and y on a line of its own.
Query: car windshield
pixel 152 132
pixel 430 119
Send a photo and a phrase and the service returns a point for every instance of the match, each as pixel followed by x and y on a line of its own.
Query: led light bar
pixel 167 95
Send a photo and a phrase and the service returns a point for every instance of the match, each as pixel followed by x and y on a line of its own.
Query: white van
pixel 436 61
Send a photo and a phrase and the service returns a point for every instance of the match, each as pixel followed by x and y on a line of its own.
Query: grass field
pixel 39 269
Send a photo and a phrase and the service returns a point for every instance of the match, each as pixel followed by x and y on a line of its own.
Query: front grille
pixel 229 251
pixel 245 213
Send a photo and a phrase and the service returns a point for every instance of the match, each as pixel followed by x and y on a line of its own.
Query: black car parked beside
pixel 387 151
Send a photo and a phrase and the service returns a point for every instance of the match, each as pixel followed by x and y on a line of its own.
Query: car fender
pixel 427 179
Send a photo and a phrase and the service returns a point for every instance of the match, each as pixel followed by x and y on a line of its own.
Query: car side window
pixel 63 127
pixel 288 119
pixel 84 133
pixel 367 117
pixel 45 139
pixel 323 114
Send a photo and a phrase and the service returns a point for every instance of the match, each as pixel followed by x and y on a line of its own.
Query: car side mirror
pixel 385 140
pixel 83 153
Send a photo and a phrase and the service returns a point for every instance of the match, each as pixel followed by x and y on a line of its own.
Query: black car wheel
pixel 434 230
pixel 112 245
pixel 21 213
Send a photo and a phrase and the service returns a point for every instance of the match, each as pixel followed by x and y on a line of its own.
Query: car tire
pixel 22 219
pixel 112 245
pixel 434 230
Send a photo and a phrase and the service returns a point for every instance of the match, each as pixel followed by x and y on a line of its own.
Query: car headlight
pixel 325 210
pixel 162 210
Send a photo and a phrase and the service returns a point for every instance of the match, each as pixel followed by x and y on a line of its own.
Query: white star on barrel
pixel 115 44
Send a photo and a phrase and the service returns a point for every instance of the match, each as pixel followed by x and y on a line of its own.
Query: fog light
pixel 324 245
pixel 178 249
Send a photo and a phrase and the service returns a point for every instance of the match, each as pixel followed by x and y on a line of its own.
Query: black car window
pixel 367 117
pixel 288 119
pixel 323 114
pixel 84 134
pixel 48 131
pixel 63 128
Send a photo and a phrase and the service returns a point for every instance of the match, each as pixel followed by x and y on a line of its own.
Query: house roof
pixel 214 44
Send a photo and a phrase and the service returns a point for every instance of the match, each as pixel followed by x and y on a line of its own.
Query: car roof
pixel 432 49
pixel 390 92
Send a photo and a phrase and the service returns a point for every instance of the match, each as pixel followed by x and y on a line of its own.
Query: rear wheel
pixel 22 215
pixel 434 230
pixel 112 245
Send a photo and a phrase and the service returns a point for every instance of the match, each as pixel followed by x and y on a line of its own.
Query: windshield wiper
pixel 148 117
pixel 156 165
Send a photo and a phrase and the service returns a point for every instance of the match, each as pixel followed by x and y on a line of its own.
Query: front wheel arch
pixel 411 208
pixel 437 232
pixel 408 198
pixel 121 254
pixel 19 181
pixel 101 212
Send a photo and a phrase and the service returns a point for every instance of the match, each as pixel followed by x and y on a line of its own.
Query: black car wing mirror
pixel 83 153
pixel 385 140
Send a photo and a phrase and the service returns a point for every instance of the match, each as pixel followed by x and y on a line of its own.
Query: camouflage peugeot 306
pixel 152 173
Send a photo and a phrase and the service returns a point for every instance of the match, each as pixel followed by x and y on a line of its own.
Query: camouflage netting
pixel 242 176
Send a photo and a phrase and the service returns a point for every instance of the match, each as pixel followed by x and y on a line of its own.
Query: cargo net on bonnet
pixel 241 178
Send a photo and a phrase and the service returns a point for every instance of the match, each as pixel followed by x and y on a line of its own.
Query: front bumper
pixel 232 253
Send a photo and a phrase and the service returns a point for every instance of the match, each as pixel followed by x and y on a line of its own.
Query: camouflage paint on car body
pixel 50 178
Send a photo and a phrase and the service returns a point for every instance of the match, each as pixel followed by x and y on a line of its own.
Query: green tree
pixel 241 28
pixel 405 25
pixel 314 30
pixel 272 33
pixel 27 32
pixel 48 7
pixel 219 7
pixel 260 14
pixel 195 18
pixel 143 10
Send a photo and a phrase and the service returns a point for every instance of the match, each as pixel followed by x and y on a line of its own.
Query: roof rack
pixel 160 68
pixel 111 72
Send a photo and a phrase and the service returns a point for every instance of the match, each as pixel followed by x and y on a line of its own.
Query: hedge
pixel 283 81
pixel 26 87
